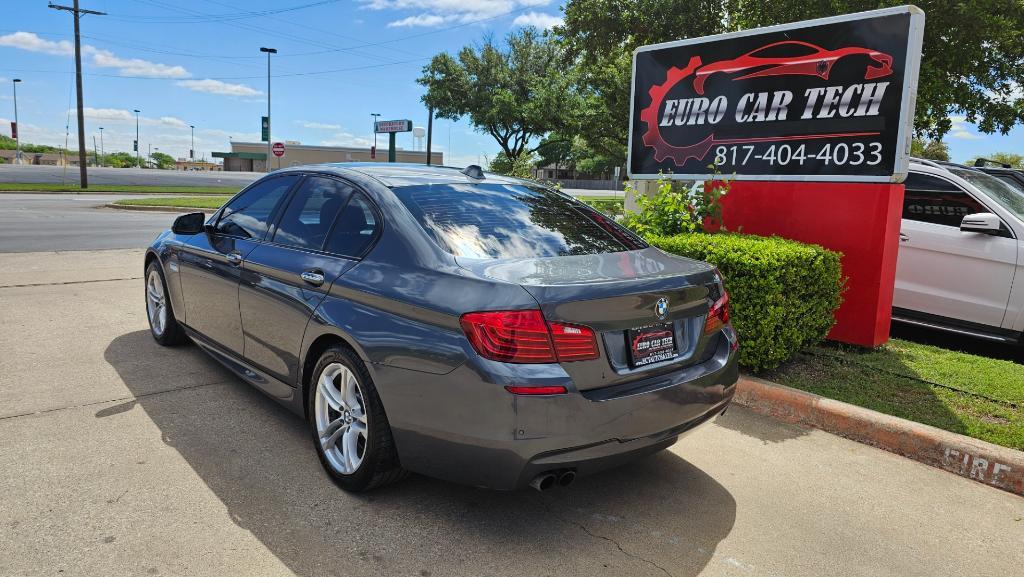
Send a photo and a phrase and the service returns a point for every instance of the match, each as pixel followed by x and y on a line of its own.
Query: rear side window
pixel 937 201
pixel 311 212
pixel 497 221
pixel 248 216
pixel 354 229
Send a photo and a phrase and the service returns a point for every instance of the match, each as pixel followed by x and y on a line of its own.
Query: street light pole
pixel 137 161
pixel 269 51
pixel 17 135
pixel 103 152
pixel 192 151
pixel 375 115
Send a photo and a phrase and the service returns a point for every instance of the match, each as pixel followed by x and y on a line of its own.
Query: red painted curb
pixel 983 462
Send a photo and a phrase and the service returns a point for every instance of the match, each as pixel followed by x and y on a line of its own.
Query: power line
pixel 216 17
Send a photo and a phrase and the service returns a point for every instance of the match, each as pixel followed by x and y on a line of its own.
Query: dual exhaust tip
pixel 549 479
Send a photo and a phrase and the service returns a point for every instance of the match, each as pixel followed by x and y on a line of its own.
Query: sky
pixel 192 62
pixel 197 62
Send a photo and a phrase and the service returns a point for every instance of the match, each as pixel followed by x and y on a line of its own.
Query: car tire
pixel 350 431
pixel 159 312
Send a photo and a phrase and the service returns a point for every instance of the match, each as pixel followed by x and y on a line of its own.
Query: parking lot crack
pixel 70 282
pixel 119 399
pixel 618 546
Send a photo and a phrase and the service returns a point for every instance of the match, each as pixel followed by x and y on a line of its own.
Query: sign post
pixel 391 128
pixel 812 121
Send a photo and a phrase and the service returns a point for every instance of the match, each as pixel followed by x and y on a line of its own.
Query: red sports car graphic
pixel 805 59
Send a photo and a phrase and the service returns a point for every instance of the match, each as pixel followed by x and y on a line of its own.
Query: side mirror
pixel 191 223
pixel 982 222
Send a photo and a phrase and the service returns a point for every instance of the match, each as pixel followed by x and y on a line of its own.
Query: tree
pixel 163 161
pixel 516 92
pixel 521 167
pixel 1014 160
pixel 119 160
pixel 972 63
pixel 930 149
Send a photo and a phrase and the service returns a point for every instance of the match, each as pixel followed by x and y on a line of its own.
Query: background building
pixel 252 156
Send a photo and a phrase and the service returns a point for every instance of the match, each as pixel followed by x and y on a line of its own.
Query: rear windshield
pixel 492 221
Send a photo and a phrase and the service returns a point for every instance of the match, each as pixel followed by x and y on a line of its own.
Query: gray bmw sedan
pixel 455 323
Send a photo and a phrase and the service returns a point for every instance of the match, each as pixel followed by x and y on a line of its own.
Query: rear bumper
pixel 486 437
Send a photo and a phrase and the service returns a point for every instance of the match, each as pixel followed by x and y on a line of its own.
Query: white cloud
pixel 124 116
pixel 100 58
pixel 537 20
pixel 961 129
pixel 211 86
pixel 426 20
pixel 317 125
pixel 347 139
pixel 33 43
pixel 430 13
pixel 134 66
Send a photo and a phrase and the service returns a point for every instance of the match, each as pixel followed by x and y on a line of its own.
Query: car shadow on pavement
pixel 659 516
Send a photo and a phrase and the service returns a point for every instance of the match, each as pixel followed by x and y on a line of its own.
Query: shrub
pixel 676 207
pixel 783 294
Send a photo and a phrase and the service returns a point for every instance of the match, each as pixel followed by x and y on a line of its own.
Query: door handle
pixel 234 258
pixel 314 277
pixel 904 238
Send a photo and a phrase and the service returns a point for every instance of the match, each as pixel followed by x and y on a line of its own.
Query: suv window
pixel 355 228
pixel 937 201
pixel 512 221
pixel 1007 194
pixel 248 216
pixel 311 212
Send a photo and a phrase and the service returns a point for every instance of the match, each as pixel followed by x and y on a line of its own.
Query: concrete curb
pixel 147 208
pixel 970 458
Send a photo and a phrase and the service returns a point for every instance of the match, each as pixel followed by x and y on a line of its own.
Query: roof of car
pixel 394 174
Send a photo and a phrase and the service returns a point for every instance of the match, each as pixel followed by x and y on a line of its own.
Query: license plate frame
pixel 651 344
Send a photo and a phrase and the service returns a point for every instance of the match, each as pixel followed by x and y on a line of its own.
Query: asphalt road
pixel 43 222
pixel 124 176
pixel 120 457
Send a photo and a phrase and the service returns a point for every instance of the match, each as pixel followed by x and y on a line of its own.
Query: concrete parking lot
pixel 120 457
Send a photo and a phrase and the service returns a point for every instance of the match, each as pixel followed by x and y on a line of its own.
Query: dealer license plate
pixel 651 344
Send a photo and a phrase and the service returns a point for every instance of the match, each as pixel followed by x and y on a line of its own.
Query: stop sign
pixel 278 149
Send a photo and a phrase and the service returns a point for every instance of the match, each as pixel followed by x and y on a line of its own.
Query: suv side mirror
pixel 191 223
pixel 982 222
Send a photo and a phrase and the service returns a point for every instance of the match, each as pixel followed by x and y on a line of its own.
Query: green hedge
pixel 782 293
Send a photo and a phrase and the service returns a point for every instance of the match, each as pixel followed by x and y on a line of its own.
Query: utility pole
pixel 138 162
pixel 77 13
pixel 375 116
pixel 103 151
pixel 269 51
pixel 430 130
pixel 17 135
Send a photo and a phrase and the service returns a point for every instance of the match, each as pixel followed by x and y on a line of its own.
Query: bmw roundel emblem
pixel 661 308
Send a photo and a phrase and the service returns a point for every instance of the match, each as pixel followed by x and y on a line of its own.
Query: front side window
pixel 937 201
pixel 311 212
pixel 248 216
pixel 500 221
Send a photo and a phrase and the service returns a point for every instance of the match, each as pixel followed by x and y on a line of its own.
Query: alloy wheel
pixel 156 303
pixel 340 418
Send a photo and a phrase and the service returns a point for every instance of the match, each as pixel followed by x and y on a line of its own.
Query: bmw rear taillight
pixel 718 315
pixel 526 337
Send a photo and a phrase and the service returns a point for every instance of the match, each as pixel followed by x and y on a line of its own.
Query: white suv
pixel 961 257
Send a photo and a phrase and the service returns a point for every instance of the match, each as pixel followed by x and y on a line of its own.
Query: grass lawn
pixel 40 187
pixel 178 201
pixel 959 392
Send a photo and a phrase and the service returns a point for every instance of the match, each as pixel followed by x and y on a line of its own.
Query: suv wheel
pixel 350 430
